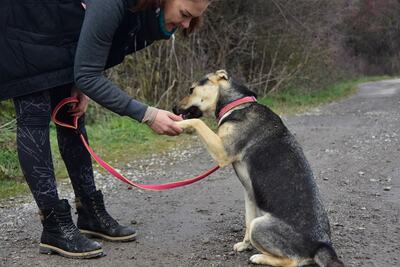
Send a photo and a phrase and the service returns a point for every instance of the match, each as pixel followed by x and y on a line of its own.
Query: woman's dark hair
pixel 195 23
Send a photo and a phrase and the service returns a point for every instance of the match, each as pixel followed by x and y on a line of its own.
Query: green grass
pixel 11 188
pixel 119 140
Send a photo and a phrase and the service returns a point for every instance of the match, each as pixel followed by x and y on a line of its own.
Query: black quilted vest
pixel 38 39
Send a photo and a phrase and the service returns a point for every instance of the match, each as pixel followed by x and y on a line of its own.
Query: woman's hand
pixel 164 123
pixel 78 109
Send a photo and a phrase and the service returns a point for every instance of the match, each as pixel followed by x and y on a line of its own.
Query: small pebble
pixel 235 229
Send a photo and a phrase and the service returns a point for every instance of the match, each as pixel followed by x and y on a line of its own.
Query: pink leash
pixel 110 169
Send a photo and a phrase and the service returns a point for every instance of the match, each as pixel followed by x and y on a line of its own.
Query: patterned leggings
pixel 33 144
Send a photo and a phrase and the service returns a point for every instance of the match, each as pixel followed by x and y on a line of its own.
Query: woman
pixel 55 49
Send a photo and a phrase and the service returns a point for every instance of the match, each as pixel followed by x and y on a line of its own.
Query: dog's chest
pixel 244 177
pixel 228 132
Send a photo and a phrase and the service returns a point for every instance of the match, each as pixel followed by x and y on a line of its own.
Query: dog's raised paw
pixel 241 246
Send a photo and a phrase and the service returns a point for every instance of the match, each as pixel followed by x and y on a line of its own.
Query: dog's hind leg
pixel 279 243
pixel 251 211
pixel 212 141
pixel 271 260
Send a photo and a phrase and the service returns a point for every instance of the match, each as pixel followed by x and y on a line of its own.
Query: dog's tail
pixel 325 256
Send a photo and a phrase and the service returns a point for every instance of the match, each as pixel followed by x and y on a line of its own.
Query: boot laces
pixel 67 226
pixel 104 216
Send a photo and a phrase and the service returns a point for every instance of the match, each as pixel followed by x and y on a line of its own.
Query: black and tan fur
pixel 285 217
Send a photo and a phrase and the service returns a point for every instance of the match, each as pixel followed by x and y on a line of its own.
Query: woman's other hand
pixel 78 109
pixel 163 123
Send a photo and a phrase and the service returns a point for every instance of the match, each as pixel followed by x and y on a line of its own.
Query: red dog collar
pixel 233 104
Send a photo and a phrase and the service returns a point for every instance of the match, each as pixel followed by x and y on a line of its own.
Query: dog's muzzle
pixel 190 113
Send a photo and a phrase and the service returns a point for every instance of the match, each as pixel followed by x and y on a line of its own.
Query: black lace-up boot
pixel 61 236
pixel 94 220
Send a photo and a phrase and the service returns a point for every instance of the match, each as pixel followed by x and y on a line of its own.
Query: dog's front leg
pixel 212 141
pixel 250 213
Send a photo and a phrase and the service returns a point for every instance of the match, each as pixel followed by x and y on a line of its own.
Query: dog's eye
pixel 191 90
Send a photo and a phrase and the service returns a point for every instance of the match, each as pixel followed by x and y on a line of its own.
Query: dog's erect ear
pixel 222 74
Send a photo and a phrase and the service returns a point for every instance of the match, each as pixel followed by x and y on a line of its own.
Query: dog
pixel 285 217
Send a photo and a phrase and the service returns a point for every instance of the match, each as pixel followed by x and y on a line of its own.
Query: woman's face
pixel 179 13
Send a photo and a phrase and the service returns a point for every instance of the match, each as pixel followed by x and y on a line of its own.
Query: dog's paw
pixel 185 124
pixel 258 259
pixel 241 246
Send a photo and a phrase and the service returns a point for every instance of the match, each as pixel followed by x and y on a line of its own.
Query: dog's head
pixel 203 96
pixel 209 94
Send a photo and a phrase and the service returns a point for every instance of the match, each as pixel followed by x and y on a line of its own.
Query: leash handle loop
pixel 109 168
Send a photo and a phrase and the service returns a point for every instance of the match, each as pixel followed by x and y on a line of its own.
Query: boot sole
pixel 127 238
pixel 48 249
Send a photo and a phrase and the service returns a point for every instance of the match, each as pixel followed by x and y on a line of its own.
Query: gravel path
pixel 353 148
